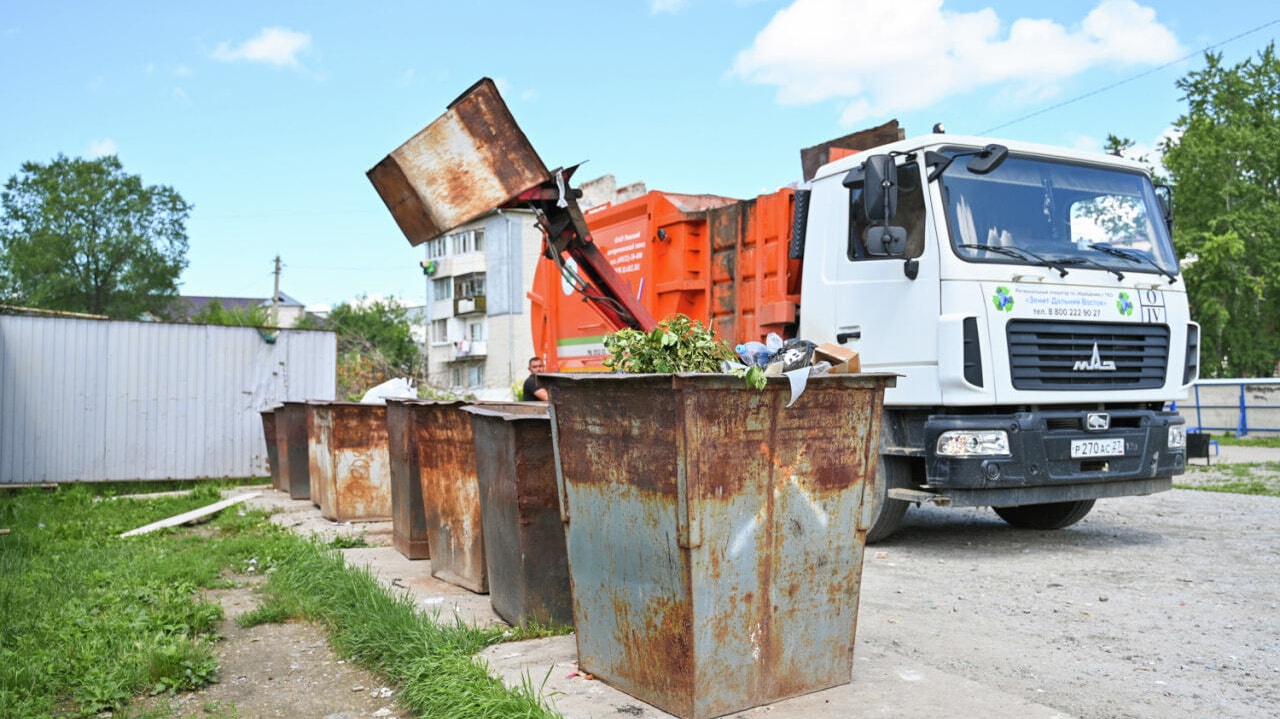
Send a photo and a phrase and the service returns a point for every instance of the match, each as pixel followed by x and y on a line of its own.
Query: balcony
pixel 467 350
pixel 469 305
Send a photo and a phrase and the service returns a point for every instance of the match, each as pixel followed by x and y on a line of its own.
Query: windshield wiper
pixel 1133 257
pixel 1020 254
pixel 1086 261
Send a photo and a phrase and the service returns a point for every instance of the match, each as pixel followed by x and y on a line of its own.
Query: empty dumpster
pixel 269 434
pixel 715 535
pixel 350 473
pixel 291 449
pixel 524 546
pixel 408 514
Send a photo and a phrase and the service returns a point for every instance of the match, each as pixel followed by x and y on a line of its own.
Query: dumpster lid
pixel 511 411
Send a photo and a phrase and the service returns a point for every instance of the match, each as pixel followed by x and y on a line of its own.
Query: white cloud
pixel 102 148
pixel 886 58
pixel 274 45
pixel 529 95
pixel 407 78
pixel 667 6
pixel 182 71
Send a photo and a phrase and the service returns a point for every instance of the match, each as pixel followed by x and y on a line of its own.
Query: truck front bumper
pixel 1041 466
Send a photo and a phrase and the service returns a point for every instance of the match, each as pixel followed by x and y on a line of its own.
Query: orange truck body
pixel 715 259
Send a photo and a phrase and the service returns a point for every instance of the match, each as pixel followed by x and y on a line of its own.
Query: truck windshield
pixel 1040 212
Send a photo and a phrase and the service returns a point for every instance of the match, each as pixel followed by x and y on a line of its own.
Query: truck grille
pixel 1060 355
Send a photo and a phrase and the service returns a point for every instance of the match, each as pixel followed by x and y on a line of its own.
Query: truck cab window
pixel 910 215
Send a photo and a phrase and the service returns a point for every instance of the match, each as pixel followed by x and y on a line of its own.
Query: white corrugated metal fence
pixel 95 400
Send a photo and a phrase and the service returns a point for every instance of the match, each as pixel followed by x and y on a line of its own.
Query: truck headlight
pixel 968 443
pixel 1177 436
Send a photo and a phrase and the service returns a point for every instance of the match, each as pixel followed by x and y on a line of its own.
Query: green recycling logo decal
pixel 1002 299
pixel 1124 304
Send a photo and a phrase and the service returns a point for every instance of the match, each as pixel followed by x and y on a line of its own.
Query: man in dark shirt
pixel 533 390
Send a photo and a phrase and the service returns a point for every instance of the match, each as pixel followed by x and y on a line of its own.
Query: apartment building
pixel 479 339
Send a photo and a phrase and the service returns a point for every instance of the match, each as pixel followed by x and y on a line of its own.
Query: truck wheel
pixel 887 514
pixel 1054 515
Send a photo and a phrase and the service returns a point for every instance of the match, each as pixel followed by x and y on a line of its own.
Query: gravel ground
pixel 1159 606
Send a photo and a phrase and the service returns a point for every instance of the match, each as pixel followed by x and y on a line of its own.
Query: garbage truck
pixel 1028 296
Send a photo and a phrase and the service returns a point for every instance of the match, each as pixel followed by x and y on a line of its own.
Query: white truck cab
pixel 1030 299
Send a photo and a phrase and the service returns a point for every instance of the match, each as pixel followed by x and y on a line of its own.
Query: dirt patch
pixel 280 670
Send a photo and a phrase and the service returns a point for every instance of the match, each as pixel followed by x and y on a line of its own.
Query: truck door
pixel 863 298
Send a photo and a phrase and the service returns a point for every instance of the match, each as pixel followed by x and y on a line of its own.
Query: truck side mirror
pixel 880 188
pixel 988 159
pixel 1164 195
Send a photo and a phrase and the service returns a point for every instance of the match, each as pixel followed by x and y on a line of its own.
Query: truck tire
pixel 887 514
pixel 1054 515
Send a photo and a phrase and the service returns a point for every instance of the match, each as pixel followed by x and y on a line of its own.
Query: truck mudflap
pixel 1054 456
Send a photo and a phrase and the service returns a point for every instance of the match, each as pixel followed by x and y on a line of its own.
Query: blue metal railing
pixel 1242 406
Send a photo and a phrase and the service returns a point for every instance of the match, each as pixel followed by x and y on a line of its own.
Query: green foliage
pixel 375 344
pixel 215 314
pixel 1226 165
pixel 84 236
pixel 678 344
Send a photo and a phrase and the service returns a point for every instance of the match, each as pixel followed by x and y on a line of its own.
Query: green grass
pixel 431 661
pixel 1234 441
pixel 89 622
pixel 1257 478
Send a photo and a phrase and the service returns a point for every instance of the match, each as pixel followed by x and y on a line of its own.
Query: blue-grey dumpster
pixel 523 538
pixel 715 536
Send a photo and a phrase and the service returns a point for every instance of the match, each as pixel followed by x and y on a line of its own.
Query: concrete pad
pixel 885 684
pixel 431 595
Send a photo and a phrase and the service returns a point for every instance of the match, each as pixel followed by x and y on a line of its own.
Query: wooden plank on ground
pixel 191 516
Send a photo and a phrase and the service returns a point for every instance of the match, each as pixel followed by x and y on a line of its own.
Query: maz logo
pixel 1094 363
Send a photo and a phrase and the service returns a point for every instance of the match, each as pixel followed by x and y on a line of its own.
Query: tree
pixel 375 344
pixel 84 236
pixel 1226 168
pixel 215 314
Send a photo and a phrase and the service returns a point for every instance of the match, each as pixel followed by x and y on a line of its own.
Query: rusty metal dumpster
pixel 349 460
pixel 451 494
pixel 269 434
pixel 408 513
pixel 291 449
pixel 523 538
pixel 715 536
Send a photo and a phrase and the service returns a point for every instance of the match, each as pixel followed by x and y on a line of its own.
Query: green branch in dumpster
pixel 677 344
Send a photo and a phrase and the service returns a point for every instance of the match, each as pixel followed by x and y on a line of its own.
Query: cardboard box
pixel 843 360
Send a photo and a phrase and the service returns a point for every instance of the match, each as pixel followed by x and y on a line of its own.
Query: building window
pixel 436 248
pixel 469 285
pixel 442 288
pixel 439 331
pixel 475 331
pixel 470 241
pixel 471 375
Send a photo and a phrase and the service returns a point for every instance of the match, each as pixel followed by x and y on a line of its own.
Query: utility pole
pixel 275 296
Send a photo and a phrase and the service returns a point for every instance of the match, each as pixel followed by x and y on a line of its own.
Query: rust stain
pixel 354 462
pixel 657 652
pixel 451 495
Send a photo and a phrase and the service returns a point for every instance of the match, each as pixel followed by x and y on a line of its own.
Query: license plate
pixel 1111 447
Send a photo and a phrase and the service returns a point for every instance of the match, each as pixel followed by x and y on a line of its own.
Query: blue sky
pixel 265 116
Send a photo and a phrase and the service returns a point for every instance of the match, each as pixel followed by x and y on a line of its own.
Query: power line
pixel 1140 75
